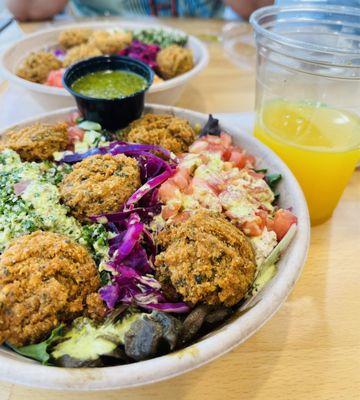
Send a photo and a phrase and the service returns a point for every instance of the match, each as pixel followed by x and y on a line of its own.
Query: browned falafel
pixel 172 133
pixel 45 279
pixel 110 42
pixel 37 66
pixel 173 61
pixel 80 52
pixel 100 184
pixel 37 142
pixel 74 37
pixel 206 259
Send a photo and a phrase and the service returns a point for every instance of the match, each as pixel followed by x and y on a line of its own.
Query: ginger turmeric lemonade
pixel 320 145
pixel 308 96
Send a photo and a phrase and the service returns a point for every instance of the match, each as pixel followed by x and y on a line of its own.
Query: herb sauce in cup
pixel 109 84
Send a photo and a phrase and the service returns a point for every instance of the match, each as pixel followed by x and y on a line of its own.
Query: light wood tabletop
pixel 311 348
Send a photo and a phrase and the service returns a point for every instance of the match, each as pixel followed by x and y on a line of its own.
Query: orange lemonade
pixel 321 145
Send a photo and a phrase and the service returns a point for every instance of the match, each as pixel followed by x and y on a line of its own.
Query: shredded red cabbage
pixel 144 189
pixel 130 239
pixel 132 249
pixel 141 51
pixel 131 285
pixel 131 149
pixel 132 253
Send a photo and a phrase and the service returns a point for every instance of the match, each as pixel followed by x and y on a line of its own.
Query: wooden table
pixel 311 348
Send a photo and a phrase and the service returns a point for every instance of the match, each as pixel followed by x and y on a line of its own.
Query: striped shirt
pixel 163 8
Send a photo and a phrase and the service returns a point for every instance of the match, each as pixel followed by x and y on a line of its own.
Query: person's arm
pixel 34 10
pixel 245 7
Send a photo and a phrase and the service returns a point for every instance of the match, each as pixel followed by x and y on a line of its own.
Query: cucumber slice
pixel 90 126
pixel 274 256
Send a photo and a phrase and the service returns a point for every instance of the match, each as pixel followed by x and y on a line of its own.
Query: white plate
pixel 167 92
pixel 17 369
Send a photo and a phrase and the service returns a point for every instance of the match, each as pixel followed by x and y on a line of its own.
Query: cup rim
pixel 294 43
pixel 106 59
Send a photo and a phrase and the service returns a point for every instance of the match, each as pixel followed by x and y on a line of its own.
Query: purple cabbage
pixel 132 253
pixel 146 214
pixel 130 287
pixel 130 239
pixel 76 157
pixel 60 54
pixel 141 51
pixel 147 187
pixel 130 149
pixel 110 294
pixel 132 249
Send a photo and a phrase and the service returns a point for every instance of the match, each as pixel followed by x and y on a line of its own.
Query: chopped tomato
pixel 238 158
pixel 282 222
pixel 198 147
pixel 266 220
pixel 226 154
pixel 55 78
pixel 214 144
pixel 75 134
pixel 226 139
pixel 169 211
pixel 250 160
pixel 254 227
pixel 167 190
pixel 73 117
pixel 263 215
pixel 257 175
pixel 182 179
pixel 199 183
pixel 213 139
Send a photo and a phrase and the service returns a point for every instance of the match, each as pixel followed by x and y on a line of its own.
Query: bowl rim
pixel 50 90
pixel 107 59
pixel 199 353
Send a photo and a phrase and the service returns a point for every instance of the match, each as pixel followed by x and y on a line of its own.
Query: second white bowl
pixel 51 98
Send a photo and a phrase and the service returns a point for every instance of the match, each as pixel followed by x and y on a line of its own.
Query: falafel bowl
pixel 174 56
pixel 144 252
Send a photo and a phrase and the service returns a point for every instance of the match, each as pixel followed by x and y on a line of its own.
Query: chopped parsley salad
pixel 135 241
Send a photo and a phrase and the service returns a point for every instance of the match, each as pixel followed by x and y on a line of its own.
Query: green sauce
pixel 109 84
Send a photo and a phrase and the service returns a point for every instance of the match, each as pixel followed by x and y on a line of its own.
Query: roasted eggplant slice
pixel 142 339
pixel 152 334
pixel 171 327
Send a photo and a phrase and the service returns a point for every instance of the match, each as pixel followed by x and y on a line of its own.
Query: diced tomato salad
pixel 55 78
pixel 219 175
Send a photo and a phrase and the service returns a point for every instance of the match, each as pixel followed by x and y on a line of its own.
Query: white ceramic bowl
pixel 20 370
pixel 52 98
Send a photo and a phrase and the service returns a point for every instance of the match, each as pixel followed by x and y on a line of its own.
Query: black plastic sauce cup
pixel 115 113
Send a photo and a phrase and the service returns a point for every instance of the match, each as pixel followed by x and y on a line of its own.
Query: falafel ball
pixel 172 133
pixel 45 279
pixel 81 52
pixel 37 66
pixel 206 259
pixel 74 37
pixel 110 43
pixel 37 142
pixel 100 184
pixel 173 61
